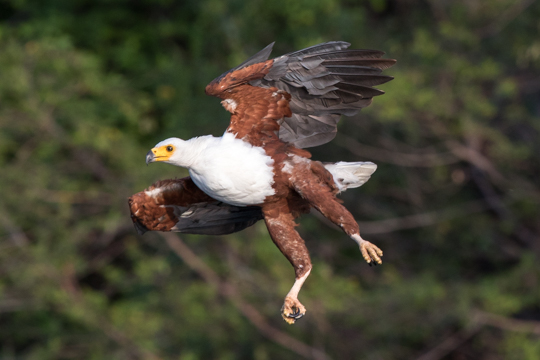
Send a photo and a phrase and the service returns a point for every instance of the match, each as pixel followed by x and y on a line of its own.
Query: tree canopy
pixel 88 87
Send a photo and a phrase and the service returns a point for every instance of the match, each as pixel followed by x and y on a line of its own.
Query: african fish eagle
pixel 259 169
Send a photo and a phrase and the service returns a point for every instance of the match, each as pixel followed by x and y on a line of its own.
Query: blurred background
pixel 88 87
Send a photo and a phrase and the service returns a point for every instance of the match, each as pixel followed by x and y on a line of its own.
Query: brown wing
pixel 179 205
pixel 300 95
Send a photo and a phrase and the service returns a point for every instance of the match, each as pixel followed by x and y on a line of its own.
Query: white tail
pixel 351 174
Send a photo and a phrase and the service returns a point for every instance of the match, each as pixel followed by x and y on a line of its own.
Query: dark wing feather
pixel 380 64
pixel 327 84
pixel 179 205
pixel 321 83
pixel 259 57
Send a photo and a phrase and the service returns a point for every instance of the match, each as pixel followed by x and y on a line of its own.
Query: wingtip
pixel 268 48
pixel 141 229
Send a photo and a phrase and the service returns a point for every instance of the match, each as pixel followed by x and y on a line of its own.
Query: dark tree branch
pixel 231 293
pixel 18 237
pixel 506 323
pixel 505 18
pixel 68 282
pixel 415 221
pixel 451 343
pixel 379 154
pixel 479 319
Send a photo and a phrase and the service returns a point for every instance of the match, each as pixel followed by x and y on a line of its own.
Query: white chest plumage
pixel 233 171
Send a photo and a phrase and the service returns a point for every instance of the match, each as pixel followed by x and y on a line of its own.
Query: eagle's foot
pixel 292 310
pixel 371 253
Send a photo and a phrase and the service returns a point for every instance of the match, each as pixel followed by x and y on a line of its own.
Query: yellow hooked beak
pixel 162 153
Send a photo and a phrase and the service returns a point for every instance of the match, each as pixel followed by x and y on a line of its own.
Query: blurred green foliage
pixel 87 87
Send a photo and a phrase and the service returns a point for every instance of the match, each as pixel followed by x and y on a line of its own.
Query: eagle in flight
pixel 259 169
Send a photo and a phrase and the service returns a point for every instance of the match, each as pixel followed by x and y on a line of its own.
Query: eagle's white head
pixel 168 151
pixel 177 152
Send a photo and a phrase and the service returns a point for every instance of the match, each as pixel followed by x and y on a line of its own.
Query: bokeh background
pixel 88 87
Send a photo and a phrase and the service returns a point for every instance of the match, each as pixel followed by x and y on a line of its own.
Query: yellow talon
pixel 370 252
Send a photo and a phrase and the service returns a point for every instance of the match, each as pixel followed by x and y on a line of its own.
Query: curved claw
pixel 292 310
pixel 296 315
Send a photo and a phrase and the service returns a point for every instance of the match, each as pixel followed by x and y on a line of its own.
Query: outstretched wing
pixel 179 205
pixel 300 95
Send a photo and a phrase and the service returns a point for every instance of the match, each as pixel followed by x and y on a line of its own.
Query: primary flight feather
pixel 259 169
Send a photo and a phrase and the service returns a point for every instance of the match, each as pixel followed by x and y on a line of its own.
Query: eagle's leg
pixel 321 198
pixel 280 224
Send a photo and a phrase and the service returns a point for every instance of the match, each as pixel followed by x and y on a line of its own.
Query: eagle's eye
pixel 169 148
